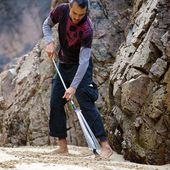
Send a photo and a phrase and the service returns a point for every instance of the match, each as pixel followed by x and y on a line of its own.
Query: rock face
pixel 110 20
pixel 24 102
pixel 20 27
pixel 19 103
pixel 131 52
pixel 139 84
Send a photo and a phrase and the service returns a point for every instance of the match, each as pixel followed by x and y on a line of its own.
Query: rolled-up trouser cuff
pixel 60 136
pixel 103 139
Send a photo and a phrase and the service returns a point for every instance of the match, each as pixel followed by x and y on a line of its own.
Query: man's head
pixel 78 9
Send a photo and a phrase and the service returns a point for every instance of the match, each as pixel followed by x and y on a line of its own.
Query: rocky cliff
pixel 131 51
pixel 20 27
pixel 139 84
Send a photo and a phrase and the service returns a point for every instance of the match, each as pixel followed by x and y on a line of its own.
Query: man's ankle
pixel 104 144
pixel 106 150
pixel 62 143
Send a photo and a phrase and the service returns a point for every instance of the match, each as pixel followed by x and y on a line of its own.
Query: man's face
pixel 77 13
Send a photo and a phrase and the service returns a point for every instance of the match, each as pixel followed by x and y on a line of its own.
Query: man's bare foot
pixel 60 152
pixel 106 150
pixel 63 149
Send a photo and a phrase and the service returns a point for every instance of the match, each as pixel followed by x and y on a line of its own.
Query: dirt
pixel 79 158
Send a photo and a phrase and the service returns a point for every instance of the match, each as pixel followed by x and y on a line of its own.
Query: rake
pixel 92 142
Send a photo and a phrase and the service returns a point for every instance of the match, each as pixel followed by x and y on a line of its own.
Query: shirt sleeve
pixel 54 18
pixel 47 30
pixel 85 54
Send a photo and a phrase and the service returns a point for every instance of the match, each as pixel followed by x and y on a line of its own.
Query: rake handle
pixel 61 78
pixel 59 74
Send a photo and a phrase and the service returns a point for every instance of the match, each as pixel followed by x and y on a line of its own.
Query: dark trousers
pixel 86 95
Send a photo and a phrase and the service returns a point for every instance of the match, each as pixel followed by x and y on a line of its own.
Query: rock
pixel 140 80
pixel 158 68
pixel 134 94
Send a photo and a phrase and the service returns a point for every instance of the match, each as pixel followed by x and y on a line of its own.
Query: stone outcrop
pixel 22 98
pixel 24 102
pixel 139 85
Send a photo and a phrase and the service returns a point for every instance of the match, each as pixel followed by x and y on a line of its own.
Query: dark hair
pixel 81 3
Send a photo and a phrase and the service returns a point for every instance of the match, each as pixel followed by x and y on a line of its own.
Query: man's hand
pixel 50 49
pixel 69 93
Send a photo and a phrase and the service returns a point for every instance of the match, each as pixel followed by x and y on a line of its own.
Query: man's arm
pixel 53 18
pixel 84 57
pixel 85 54
pixel 47 30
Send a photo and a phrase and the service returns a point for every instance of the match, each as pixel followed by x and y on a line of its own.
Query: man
pixel 75 65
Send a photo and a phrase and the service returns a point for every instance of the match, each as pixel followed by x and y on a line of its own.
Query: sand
pixel 79 158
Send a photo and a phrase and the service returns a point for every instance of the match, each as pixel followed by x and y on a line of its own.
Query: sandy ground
pixel 43 158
